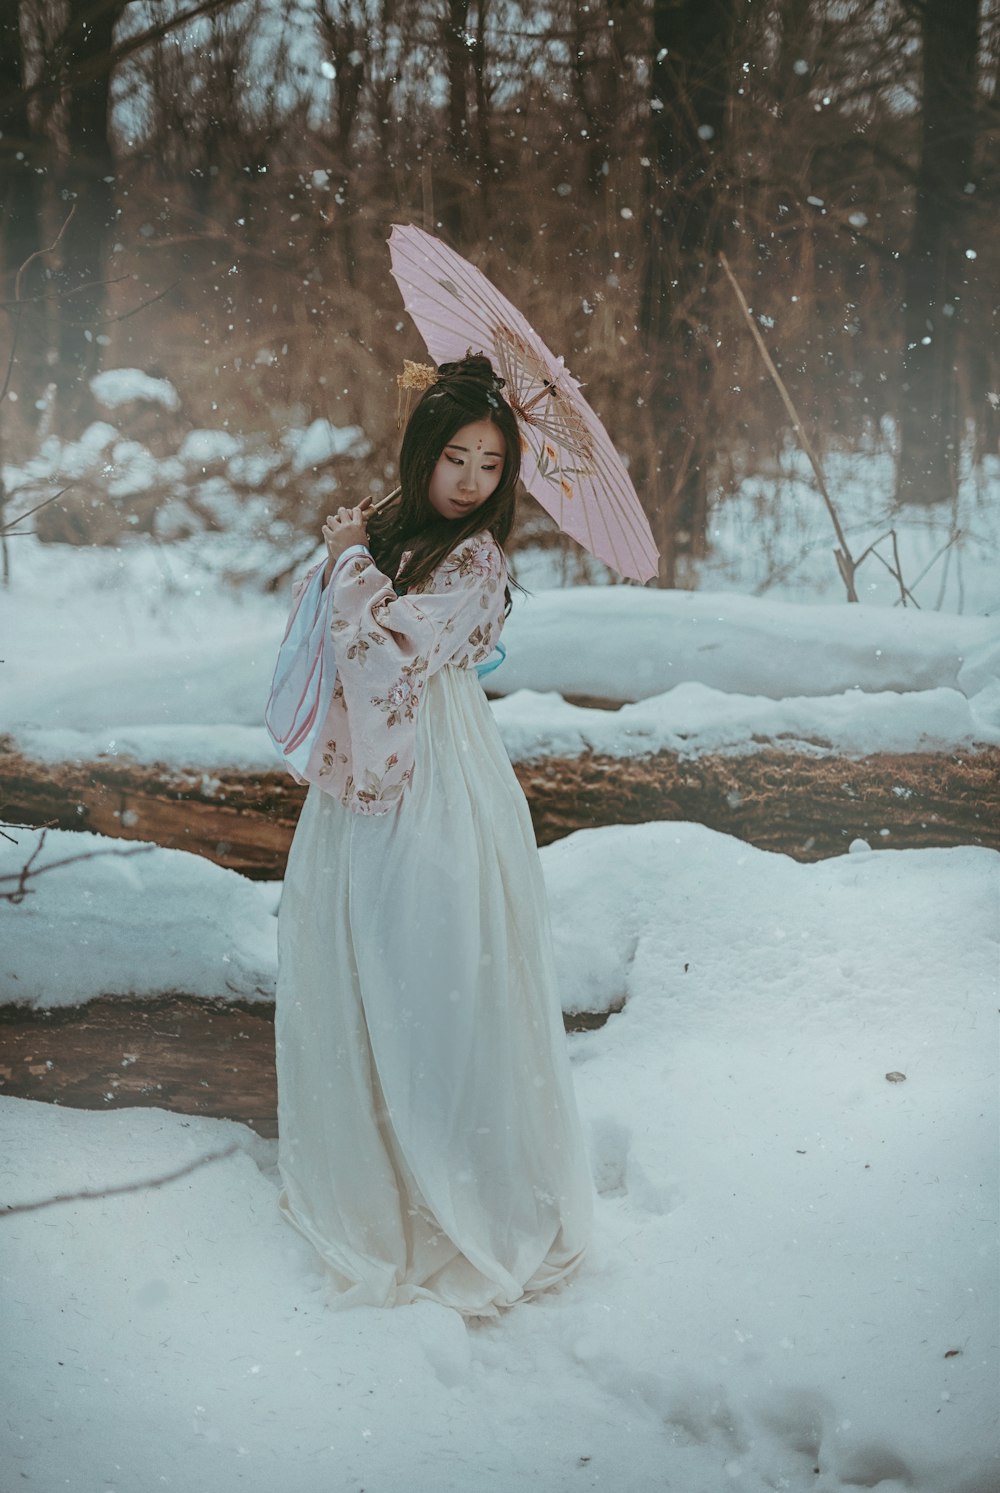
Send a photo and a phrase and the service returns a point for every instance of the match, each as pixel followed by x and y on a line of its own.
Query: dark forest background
pixel 204 191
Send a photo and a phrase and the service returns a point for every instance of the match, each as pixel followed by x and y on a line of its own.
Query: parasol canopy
pixel 568 462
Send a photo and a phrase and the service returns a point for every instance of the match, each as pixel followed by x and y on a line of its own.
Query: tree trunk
pixel 598 74
pixel 794 60
pixel 22 156
pixel 452 182
pixel 88 184
pixel 689 96
pixel 347 40
pixel 930 426
pixel 484 162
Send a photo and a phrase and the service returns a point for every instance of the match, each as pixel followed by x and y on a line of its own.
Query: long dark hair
pixel 465 392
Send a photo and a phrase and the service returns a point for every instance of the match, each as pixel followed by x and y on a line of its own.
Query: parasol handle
pixel 383 502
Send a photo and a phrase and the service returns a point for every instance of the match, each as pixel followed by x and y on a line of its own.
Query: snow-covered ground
pixel 792 1126
pixel 103 917
pixel 145 650
pixel 792 1283
pixel 774 537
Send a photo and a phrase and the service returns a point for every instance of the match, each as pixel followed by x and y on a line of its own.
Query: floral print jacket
pixel 386 648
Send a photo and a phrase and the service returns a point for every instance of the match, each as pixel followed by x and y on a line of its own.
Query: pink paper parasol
pixel 568 462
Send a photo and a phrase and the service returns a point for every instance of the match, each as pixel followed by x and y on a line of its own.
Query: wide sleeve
pixel 299 587
pixel 304 675
pixel 388 646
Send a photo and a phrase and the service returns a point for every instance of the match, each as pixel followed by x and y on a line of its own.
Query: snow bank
pixel 174 748
pixel 134 919
pixel 774 535
pixel 202 448
pixel 118 386
pixel 792 1279
pixel 690 720
pixel 693 720
pixel 214 477
pixel 146 636
pixel 627 643
pixel 321 441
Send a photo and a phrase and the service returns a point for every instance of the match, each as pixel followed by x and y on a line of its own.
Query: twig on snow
pixel 22 890
pixel 8 1209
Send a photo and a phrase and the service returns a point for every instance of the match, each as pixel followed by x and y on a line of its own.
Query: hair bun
pixel 474 366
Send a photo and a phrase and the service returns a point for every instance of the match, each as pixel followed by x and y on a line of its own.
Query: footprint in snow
pixel 618 1172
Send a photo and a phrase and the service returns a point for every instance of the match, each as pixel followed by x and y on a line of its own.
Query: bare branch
pixel 104 321
pixel 9 1209
pixel 845 563
pixel 28 870
pixel 17 300
pixel 7 526
pixel 60 295
pixel 124 50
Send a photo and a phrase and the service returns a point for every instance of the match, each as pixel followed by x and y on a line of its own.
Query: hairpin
pixel 419 376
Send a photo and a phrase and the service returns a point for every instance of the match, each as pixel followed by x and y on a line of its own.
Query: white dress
pixel 429 1141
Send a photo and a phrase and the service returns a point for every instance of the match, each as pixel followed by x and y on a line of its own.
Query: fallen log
pixel 808 806
pixel 196 1057
pixel 175 1052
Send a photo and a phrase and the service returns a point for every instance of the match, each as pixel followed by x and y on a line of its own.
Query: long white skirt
pixel 429 1141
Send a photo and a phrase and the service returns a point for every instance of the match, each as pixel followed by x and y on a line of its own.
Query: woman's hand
pixel 342 529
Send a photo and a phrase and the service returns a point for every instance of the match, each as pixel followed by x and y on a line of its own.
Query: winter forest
pixel 764 235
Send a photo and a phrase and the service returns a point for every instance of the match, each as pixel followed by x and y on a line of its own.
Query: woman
pixel 429 1143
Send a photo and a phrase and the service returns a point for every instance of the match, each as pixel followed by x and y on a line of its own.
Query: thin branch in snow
pixel 17 299
pixel 894 570
pixel 7 1209
pixel 104 321
pixel 22 890
pixel 7 527
pixel 60 295
pixel 845 564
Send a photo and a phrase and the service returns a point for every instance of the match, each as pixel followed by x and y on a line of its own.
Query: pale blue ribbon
pixel 489 665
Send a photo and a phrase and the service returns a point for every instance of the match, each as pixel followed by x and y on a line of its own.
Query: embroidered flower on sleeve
pixel 478 558
pixel 358 649
pixel 377 790
pixel 402 697
pixel 481 641
pixel 331 757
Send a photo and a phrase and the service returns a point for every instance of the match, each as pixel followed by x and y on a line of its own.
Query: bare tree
pixel 74 101
pixel 690 83
pixel 22 164
pixel 937 272
pixel 453 23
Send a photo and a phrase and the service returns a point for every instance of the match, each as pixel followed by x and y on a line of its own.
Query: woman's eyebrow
pixel 452 446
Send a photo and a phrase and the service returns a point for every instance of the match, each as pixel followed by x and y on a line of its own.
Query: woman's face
pixel 468 471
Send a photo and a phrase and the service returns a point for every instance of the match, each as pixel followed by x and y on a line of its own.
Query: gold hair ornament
pixel 419 376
